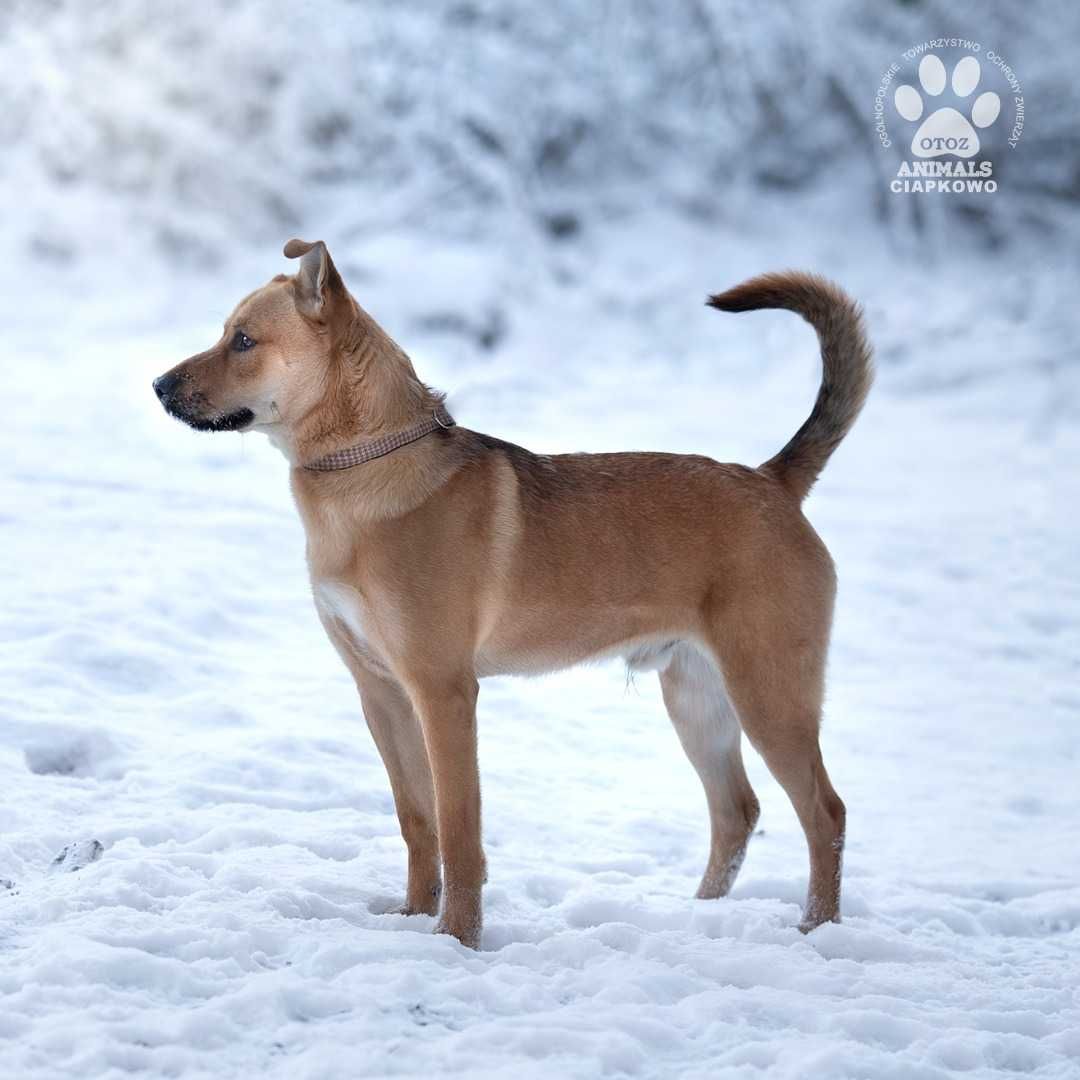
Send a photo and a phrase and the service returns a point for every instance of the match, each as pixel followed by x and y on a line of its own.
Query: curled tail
pixel 846 359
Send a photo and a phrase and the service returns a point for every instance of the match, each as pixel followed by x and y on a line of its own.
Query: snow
pixel 166 689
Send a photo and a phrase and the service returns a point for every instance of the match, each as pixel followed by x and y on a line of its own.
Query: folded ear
pixel 317 280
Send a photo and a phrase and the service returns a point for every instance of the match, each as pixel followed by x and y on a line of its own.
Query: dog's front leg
pixel 398 736
pixel 400 741
pixel 447 711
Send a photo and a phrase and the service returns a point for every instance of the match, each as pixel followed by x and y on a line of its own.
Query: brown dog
pixel 439 555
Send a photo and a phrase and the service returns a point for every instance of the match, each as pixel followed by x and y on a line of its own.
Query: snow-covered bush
pixel 190 128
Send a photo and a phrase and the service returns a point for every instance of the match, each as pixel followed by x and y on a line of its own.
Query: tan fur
pixel 460 556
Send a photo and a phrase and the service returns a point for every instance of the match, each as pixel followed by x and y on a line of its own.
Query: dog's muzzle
pixel 189 409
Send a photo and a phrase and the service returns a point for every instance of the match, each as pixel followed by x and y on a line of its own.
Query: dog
pixel 439 555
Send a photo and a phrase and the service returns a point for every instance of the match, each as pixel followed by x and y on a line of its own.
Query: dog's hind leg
pixel 708 728
pixel 773 666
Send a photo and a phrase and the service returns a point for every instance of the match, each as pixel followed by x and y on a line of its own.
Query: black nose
pixel 164 385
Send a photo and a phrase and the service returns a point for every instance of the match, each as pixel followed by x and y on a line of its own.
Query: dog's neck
pixel 369 389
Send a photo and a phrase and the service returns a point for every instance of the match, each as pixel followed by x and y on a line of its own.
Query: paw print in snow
pixel 945 130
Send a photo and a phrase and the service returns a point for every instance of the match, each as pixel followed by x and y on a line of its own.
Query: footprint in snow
pixel 76 856
pixel 64 752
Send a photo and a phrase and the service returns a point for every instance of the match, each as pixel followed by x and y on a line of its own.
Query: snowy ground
pixel 166 690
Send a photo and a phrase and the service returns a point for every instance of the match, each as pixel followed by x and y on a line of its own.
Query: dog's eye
pixel 241 342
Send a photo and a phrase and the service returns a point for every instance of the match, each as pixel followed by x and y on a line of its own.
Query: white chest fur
pixel 343 608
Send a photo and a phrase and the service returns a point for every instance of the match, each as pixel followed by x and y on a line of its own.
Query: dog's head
pixel 268 366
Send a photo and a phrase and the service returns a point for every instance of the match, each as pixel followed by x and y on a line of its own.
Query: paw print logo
pixel 946 130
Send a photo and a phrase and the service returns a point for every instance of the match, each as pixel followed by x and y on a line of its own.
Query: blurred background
pixel 153 138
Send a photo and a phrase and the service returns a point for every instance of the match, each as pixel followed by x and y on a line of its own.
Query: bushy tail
pixel 847 362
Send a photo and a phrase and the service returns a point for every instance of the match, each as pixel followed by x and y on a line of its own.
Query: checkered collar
pixel 381 445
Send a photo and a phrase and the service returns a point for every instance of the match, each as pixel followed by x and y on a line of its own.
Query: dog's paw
pixel 467 934
pixel 426 903
pixel 946 130
pixel 812 922
pixel 414 909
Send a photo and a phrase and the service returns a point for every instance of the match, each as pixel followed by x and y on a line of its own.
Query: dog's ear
pixel 317 280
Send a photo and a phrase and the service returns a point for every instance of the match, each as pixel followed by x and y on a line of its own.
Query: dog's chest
pixel 343 608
